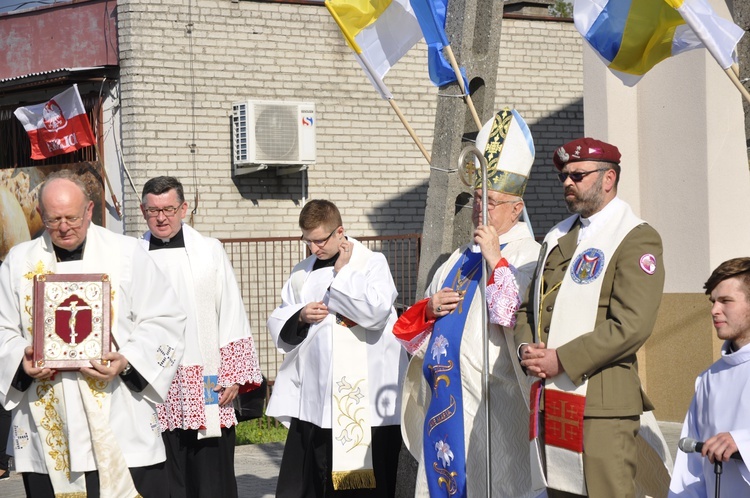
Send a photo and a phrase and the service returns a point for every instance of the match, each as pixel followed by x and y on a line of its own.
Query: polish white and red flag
pixel 58 126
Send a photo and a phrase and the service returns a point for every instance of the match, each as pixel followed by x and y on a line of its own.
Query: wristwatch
pixel 128 368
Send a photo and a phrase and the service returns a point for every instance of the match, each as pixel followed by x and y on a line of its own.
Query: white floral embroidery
pixel 444 453
pixel 503 299
pixel 439 348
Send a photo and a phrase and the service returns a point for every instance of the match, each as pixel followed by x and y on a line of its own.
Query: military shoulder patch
pixel 648 263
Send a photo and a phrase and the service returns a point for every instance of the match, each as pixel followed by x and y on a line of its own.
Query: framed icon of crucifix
pixel 71 323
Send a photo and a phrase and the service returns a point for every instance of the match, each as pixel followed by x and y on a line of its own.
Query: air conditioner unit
pixel 271 133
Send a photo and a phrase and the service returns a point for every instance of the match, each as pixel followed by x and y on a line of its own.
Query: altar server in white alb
pixel 78 433
pixel 444 332
pixel 338 388
pixel 197 418
pixel 718 415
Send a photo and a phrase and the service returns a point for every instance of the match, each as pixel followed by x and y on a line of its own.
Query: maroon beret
pixel 585 149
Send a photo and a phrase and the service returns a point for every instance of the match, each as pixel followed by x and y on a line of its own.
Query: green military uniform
pixel 606 356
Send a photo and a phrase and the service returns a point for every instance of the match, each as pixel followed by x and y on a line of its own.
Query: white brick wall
pixel 366 163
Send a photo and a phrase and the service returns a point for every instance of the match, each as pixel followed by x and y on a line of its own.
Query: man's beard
pixel 589 202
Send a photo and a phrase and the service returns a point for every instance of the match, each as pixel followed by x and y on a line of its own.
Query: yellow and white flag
pixel 379 31
pixel 632 36
pixel 718 35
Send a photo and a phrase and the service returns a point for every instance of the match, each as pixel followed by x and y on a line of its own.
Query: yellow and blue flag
pixel 632 36
pixel 379 31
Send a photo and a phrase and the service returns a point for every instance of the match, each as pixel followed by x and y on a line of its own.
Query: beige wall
pixel 682 346
pixel 252 50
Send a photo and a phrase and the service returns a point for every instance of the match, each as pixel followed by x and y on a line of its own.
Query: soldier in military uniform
pixel 591 306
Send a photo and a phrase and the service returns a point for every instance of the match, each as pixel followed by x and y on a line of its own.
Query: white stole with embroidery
pixel 350 404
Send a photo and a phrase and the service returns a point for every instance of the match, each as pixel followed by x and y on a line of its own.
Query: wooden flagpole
pixel 118 209
pixel 99 158
pixel 411 131
pixel 452 59
pixel 386 94
pixel 736 80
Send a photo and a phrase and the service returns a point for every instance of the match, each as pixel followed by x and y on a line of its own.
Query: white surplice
pixel 218 340
pixel 304 382
pixel 148 326
pixel 721 404
pixel 509 390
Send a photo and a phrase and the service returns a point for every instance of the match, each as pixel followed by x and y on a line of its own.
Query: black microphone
pixel 689 445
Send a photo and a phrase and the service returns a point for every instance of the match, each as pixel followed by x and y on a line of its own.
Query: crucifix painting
pixel 71 324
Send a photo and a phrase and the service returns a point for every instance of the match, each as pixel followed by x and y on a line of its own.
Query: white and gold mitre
pixel 508 148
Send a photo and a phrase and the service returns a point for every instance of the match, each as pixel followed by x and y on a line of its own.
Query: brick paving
pixel 257 467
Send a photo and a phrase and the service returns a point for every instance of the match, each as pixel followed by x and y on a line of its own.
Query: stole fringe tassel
pixel 353 479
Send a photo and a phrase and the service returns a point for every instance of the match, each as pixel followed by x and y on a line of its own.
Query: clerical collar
pixel 598 220
pixel 63 255
pixel 325 263
pixel 156 243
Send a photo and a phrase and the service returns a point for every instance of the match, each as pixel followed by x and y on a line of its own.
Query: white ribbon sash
pixel 350 409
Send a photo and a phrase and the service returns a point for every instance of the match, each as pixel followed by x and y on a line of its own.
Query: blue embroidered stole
pixel 444 446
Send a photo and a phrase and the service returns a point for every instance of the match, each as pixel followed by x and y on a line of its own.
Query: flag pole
pixel 97 115
pixel 118 209
pixel 386 94
pixel 464 90
pixel 733 76
pixel 411 131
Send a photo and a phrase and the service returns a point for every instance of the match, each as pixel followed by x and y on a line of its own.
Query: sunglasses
pixel 578 175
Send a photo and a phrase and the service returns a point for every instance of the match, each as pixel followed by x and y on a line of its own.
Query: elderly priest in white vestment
pixel 444 332
pixel 719 414
pixel 76 433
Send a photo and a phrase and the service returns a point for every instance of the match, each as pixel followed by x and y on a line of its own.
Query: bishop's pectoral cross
pixel 461 284
pixel 74 309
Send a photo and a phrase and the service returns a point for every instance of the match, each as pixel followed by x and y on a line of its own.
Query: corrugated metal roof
pixel 43 75
pixel 56 77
